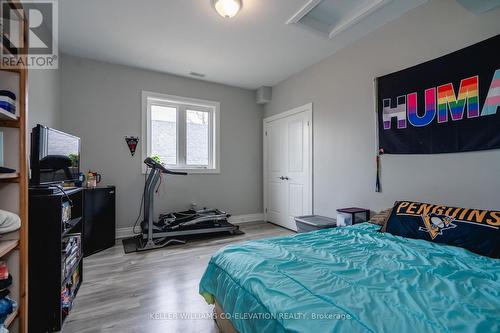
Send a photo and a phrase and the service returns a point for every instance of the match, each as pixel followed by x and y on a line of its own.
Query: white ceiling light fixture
pixel 227 8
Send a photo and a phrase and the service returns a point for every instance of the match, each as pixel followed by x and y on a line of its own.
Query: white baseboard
pixel 236 219
pixel 124 233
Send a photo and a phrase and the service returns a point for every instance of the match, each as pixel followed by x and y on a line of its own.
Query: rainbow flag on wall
pixel 449 104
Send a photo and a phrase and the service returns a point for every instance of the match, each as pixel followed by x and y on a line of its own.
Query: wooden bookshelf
pixel 9 177
pixel 14 187
pixel 9 123
pixel 7 246
pixel 12 69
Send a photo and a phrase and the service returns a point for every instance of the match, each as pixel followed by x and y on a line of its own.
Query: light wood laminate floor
pixel 122 292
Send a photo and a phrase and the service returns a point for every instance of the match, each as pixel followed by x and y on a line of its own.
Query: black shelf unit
pixel 46 257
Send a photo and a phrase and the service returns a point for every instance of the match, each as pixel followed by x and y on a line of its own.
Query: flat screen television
pixel 55 156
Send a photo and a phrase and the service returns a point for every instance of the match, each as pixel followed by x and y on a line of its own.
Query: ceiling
pixel 255 48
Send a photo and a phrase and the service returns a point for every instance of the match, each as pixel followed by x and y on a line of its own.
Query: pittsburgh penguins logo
pixel 435 224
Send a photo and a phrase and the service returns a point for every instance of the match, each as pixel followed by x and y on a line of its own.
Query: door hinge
pixel 308 123
pixel 266 133
pixel 266 210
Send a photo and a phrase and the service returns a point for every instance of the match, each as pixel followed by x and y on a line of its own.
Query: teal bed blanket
pixel 353 279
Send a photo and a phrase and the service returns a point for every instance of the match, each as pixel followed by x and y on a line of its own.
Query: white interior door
pixel 275 143
pixel 288 166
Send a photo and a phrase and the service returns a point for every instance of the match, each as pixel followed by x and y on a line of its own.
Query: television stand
pixel 55 255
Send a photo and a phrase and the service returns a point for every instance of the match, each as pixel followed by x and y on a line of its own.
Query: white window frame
pixel 149 98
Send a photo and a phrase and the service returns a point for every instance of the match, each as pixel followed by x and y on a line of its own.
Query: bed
pixel 353 279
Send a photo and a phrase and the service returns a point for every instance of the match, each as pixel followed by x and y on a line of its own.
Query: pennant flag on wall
pixel 132 142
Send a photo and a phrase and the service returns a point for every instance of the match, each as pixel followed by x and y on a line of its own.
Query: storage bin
pixel 314 222
pixel 344 219
pixel 352 215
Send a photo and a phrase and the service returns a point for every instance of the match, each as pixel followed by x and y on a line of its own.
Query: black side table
pixel 99 219
pixel 353 211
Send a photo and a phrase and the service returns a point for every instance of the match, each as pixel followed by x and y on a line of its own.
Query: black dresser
pixel 99 214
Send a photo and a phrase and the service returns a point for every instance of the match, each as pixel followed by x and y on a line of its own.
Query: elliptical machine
pixel 156 235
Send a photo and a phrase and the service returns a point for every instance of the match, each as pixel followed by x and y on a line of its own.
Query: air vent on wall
pixel 330 17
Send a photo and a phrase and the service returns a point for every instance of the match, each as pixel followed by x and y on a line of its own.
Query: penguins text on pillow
pixel 473 229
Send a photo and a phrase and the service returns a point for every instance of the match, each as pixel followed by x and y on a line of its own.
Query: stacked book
pixel 72 254
pixel 68 292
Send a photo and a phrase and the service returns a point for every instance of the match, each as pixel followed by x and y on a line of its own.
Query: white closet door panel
pixel 288 183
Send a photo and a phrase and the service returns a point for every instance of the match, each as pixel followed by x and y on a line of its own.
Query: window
pixel 182 132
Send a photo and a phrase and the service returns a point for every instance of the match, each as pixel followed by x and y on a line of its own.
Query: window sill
pixel 193 171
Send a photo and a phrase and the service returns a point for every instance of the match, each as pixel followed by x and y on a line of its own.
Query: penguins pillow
pixel 473 229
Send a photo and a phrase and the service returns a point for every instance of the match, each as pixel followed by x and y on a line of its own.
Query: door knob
pixel 286 178
pixel 281 177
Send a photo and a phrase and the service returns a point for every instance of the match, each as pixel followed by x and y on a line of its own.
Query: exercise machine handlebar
pixel 157 166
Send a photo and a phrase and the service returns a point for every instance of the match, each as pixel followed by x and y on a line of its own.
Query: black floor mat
pixel 130 244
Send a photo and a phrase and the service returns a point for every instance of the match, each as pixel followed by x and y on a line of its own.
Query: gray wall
pixel 101 103
pixel 44 99
pixel 341 89
pixel 44 86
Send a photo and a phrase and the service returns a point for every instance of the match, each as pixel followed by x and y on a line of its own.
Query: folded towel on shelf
pixel 8 101
pixel 8 93
pixel 7 306
pixel 9 222
pixel 4 293
pixel 6 170
pixel 6 283
pixel 4 270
